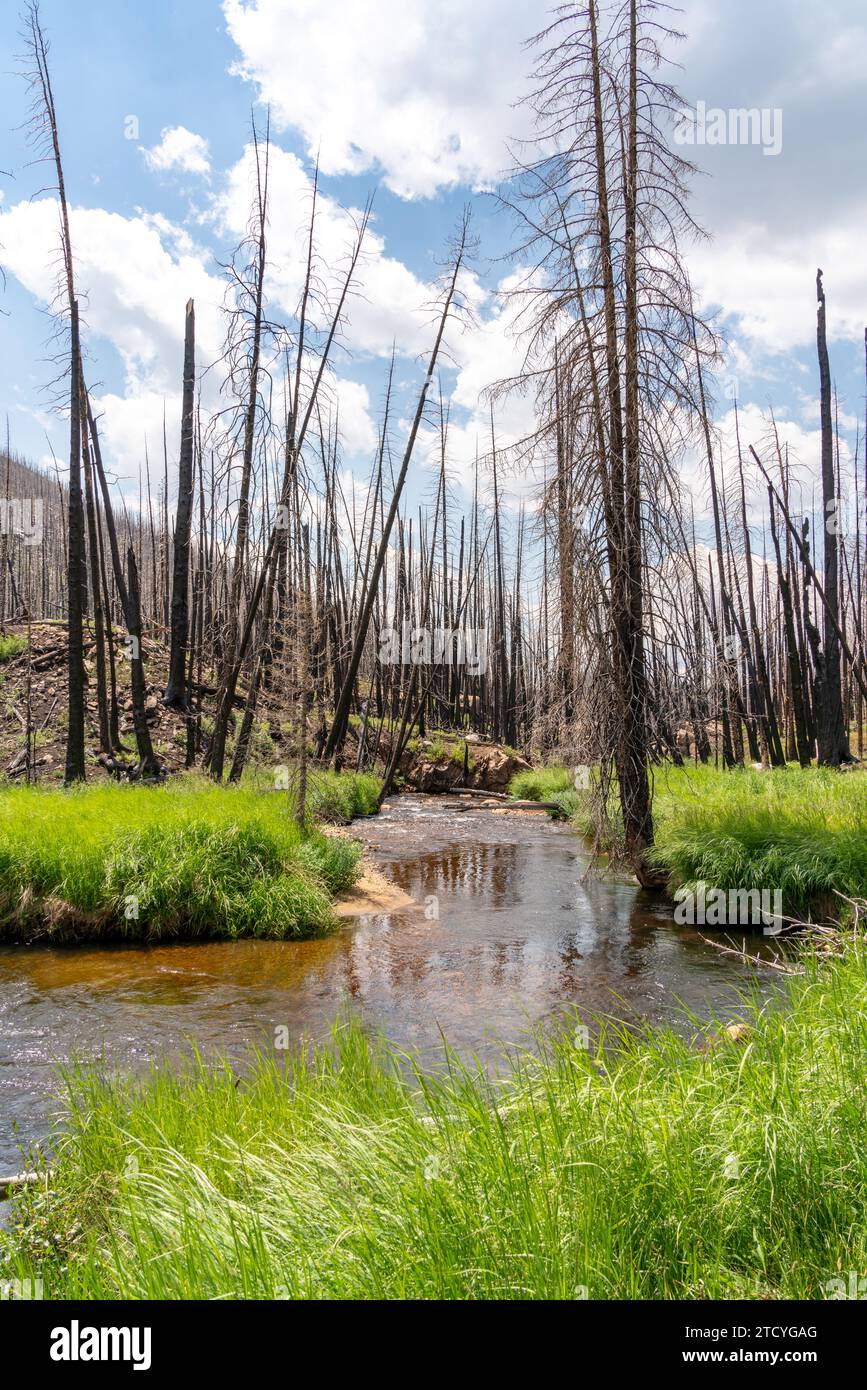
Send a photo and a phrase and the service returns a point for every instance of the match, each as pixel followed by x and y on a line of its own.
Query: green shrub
pixel 437 751
pixel 342 796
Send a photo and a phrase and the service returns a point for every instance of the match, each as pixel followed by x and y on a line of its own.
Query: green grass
pixel 802 830
pixel 184 860
pixel 11 646
pixel 343 796
pixel 337 797
pixel 556 784
pixel 650 1170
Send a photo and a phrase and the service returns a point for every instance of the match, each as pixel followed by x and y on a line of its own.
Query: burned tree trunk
pixel 148 768
pixel 176 695
pixel 76 580
pixel 632 768
pixel 832 739
pixel 105 740
pixel 341 713
pixel 802 742
pixel 131 612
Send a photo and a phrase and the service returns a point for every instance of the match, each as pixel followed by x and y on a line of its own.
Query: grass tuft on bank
pixel 652 1170
pixel 188 859
pixel 802 830
pixel 554 784
pixel 341 797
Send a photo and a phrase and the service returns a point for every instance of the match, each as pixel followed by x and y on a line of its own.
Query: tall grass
pixel 331 796
pixel 187 859
pixel 655 1170
pixel 554 784
pixel 343 796
pixel 802 830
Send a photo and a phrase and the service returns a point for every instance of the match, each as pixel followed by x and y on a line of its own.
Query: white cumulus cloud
pixel 423 92
pixel 180 149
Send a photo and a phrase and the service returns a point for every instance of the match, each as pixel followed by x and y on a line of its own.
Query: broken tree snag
pixel 176 693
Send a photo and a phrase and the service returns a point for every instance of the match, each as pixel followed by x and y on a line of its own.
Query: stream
pixel 507 932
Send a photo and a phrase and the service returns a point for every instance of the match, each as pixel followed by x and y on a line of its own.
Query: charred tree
pixel 176 694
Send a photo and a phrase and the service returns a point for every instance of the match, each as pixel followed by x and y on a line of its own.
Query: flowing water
pixel 519 935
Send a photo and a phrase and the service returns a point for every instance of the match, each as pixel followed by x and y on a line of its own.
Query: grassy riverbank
pixel 187 859
pixel 802 830
pixel 656 1171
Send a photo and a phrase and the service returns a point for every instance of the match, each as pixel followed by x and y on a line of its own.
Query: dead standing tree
pixel 44 128
pixel 341 713
pixel 603 209
pixel 176 694
pixel 832 740
pixel 298 422
pixel 246 332
pixel 130 602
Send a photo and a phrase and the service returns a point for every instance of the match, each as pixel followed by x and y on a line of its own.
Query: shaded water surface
pixel 519 936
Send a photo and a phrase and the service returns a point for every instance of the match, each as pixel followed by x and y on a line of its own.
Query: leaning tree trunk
pixel 131 611
pixel 341 713
pixel 76 560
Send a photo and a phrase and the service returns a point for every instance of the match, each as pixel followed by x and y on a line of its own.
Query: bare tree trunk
pixel 833 741
pixel 75 768
pixel 131 613
pixel 148 766
pixel 802 742
pixel 176 695
pixel 105 742
pixel 632 770
pixel 341 713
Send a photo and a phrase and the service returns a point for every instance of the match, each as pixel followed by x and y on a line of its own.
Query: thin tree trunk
pixel 176 695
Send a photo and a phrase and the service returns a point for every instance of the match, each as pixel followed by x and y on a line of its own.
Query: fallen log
pixel 506 801
pixel 478 791
pixel 16 1182
pixel 533 806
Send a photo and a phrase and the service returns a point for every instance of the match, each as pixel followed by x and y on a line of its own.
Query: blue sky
pixel 415 100
pixel 164 65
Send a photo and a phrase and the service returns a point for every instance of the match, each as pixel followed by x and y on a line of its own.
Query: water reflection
pixel 519 935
